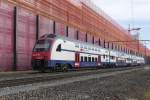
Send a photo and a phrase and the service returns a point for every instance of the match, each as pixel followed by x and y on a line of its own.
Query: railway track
pixel 47 77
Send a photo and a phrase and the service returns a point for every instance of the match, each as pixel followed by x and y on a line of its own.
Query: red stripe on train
pixel 41 55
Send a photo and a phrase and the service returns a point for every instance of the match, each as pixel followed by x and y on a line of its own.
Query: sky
pixel 125 12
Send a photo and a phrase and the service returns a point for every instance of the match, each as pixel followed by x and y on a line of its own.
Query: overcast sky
pixel 125 12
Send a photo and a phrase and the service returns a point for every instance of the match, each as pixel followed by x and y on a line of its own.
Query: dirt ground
pixel 129 86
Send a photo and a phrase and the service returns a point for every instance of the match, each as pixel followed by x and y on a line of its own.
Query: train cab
pixel 41 52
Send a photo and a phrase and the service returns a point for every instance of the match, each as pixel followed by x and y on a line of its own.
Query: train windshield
pixel 42 45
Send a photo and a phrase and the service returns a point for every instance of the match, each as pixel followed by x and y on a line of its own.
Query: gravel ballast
pixel 133 85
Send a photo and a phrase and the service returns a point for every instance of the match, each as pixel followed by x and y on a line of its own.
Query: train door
pixel 99 60
pixel 77 60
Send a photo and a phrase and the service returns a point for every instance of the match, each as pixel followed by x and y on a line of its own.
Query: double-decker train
pixel 56 52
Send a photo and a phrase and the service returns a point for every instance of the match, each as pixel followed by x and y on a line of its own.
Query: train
pixel 61 53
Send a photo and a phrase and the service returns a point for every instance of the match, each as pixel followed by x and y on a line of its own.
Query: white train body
pixel 76 54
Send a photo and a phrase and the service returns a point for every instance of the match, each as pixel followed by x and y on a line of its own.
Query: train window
pixel 58 48
pixel 92 59
pixel 42 45
pixel 90 48
pixel 51 36
pixel 89 59
pixel 77 46
pixel 81 58
pixel 95 59
pixel 85 59
pixel 111 57
pixel 85 47
pixel 81 46
pixel 104 56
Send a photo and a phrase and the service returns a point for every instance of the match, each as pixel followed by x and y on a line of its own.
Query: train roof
pixel 65 38
pixel 54 36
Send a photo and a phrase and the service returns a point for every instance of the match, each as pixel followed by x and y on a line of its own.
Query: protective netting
pixel 72 32
pixel 6 36
pixel 81 17
pixel 45 26
pixel 26 36
pixel 60 29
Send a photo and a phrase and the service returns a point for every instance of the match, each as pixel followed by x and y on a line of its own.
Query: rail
pixel 47 77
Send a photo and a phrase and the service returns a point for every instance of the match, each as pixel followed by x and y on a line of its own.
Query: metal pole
pixel 77 35
pixel 145 55
pixel 54 27
pixel 14 40
pixel 37 27
pixel 67 30
pixel 109 53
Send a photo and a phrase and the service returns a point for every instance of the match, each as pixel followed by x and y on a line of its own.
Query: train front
pixel 41 53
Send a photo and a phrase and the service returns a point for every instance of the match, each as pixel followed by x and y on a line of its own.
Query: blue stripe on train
pixel 52 63
pixel 88 64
